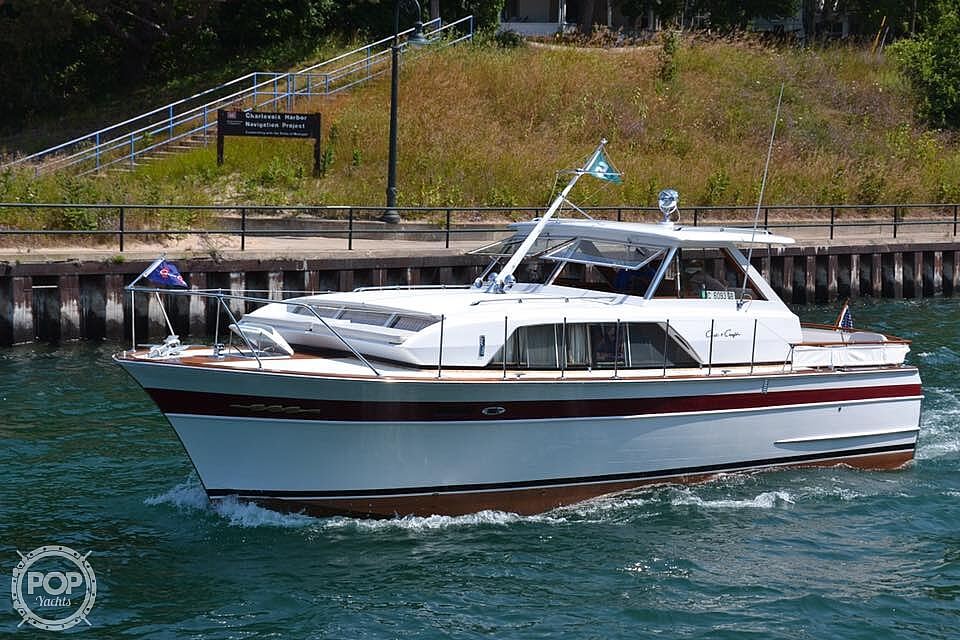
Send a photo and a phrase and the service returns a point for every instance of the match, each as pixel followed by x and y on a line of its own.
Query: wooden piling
pixel 787 278
pixel 854 276
pixel 831 277
pixel 23 327
pixel 876 275
pixel 197 310
pixel 238 284
pixel 937 273
pixel 917 274
pixel 68 286
pixel 113 317
pixel 898 276
pixel 275 285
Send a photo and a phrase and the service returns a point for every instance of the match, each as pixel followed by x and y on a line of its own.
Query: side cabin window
pixel 603 345
pixel 713 277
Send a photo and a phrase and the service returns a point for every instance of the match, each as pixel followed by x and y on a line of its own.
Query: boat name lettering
pixel 726 333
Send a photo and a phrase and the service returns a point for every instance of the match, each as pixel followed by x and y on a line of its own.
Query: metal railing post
pixel 563 350
pixel 350 230
pixel 710 356
pixel 289 95
pixel 276 91
pixel 121 229
pixel 896 216
pixel 254 105
pixel 833 216
pixel 666 346
pixel 619 214
pixel 616 352
pixel 696 216
pixel 766 218
pixel 170 123
pixel 243 229
pixel 132 154
pixel 753 347
pixel 503 352
pixel 447 242
pixel 97 147
pixel 954 219
pixel 440 354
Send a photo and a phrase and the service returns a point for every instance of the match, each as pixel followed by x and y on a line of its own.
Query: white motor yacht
pixel 592 357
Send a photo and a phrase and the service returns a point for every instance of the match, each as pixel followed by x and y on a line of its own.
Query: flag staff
pixel 597 166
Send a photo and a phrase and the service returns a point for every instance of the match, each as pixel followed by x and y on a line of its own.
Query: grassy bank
pixel 487 126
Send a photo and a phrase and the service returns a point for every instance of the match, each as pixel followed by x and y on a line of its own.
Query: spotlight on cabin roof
pixel 667 200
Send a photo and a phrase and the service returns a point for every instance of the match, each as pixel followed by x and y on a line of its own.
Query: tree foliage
pixel 931 61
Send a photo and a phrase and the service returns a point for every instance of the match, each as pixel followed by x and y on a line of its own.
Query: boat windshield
pixel 508 246
pixel 604 254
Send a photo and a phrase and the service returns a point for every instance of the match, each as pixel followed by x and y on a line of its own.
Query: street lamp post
pixel 390 215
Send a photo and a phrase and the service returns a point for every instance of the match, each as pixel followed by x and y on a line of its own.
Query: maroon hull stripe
pixel 214 404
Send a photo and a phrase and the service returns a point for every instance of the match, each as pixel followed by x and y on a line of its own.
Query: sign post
pixel 275 125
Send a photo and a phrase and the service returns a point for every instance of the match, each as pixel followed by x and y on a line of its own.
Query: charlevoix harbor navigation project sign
pixel 278 125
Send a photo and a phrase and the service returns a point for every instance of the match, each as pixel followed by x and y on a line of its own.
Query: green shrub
pixel 931 61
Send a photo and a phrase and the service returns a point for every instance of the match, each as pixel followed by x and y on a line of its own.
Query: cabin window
pixel 602 345
pixel 412 323
pixel 364 316
pixel 699 277
pixel 322 311
pixel 532 347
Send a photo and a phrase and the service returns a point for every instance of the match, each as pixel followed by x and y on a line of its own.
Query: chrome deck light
pixel 668 200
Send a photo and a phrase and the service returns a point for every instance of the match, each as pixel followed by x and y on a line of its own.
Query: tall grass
pixel 480 125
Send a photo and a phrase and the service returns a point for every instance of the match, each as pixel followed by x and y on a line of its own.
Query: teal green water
pixel 88 462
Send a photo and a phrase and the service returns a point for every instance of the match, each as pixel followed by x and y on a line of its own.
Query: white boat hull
pixel 389 446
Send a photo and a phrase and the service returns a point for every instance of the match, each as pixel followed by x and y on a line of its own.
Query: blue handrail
pixel 130 139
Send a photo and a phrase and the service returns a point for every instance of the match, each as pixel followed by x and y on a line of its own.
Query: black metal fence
pixel 121 221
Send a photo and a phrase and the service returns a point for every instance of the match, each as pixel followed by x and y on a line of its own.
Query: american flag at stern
pixel 845 319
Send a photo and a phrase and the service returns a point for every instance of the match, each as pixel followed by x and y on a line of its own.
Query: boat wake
pixel 731 492
pixel 190 496
pixel 939 435
pixel 765 500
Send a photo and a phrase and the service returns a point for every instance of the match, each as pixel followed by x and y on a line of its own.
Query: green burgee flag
pixel 601 168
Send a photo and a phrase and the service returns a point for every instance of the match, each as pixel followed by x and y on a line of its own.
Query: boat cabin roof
pixel 665 235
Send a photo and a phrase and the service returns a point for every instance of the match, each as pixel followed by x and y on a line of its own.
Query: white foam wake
pixel 765 500
pixel 426 523
pixel 189 495
pixel 939 435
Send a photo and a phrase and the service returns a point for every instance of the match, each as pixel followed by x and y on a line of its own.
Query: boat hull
pixel 384 447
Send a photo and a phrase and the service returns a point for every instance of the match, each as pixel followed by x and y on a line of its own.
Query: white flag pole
pixel 521 252
pixel 146 272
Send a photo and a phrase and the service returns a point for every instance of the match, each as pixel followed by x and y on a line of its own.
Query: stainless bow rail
pixel 221 298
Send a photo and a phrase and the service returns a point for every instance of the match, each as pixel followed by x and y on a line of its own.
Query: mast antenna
pixel 763 185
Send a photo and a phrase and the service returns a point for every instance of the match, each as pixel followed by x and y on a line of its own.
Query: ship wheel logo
pixel 53 578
